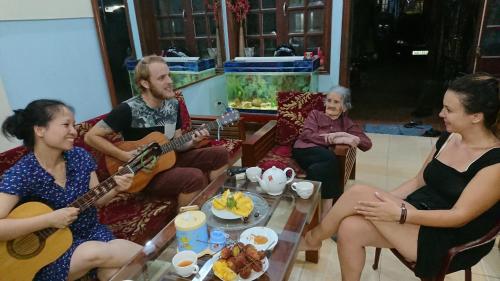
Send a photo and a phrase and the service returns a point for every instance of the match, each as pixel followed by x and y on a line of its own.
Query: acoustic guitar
pixel 158 141
pixel 23 257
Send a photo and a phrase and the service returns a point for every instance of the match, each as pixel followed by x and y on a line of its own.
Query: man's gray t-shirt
pixel 135 119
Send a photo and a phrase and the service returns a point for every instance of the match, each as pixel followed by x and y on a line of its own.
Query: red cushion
pixel 293 109
pixel 272 159
pixel 231 145
pixel 137 217
pixel 10 157
pixel 186 119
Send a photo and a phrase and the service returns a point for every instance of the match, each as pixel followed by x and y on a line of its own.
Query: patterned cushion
pixel 231 145
pixel 186 119
pixel 10 157
pixel 293 108
pixel 137 216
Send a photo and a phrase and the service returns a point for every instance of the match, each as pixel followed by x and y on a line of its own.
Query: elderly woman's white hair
pixel 344 93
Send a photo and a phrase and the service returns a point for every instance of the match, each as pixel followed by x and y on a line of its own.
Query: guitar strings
pixel 186 137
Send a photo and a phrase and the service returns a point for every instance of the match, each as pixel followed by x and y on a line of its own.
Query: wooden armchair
pixel 271 145
pixel 445 266
pixel 231 136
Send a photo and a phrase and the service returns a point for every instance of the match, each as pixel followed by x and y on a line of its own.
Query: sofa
pixel 138 216
pixel 272 144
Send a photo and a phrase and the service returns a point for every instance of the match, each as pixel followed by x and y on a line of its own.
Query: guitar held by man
pixel 167 158
pixel 157 110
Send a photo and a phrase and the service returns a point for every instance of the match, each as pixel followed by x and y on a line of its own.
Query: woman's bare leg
pixel 354 234
pixel 344 207
pixel 326 204
pixel 108 256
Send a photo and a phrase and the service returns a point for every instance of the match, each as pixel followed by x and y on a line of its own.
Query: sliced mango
pixel 237 202
pixel 222 270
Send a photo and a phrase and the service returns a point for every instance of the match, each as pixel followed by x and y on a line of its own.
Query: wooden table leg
pixel 313 256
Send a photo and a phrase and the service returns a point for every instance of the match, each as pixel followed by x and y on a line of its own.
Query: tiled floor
pixel 392 160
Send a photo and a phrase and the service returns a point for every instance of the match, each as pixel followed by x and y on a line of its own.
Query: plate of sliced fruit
pixel 240 262
pixel 232 205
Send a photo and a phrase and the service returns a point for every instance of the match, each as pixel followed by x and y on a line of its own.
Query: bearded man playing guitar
pixel 157 110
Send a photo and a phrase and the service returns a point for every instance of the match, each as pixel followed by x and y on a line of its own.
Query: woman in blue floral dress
pixel 56 173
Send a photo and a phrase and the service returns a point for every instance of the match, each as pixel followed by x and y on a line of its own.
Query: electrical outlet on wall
pixel 220 106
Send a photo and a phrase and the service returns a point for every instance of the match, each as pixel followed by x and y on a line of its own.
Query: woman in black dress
pixel 453 199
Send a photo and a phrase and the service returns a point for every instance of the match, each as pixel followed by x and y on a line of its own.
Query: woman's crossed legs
pixel 355 232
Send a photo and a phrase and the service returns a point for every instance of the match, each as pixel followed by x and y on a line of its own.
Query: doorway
pixel 402 54
pixel 113 28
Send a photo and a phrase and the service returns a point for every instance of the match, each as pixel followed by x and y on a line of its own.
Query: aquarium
pixel 252 83
pixel 257 90
pixel 182 73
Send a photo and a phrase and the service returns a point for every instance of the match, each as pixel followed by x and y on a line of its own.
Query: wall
pixel 332 79
pixel 203 98
pixel 50 49
pixel 5 111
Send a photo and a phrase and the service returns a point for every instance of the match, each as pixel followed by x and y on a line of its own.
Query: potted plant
pixel 240 10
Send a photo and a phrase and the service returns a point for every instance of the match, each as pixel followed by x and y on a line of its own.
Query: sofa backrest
pixel 293 109
pixel 10 157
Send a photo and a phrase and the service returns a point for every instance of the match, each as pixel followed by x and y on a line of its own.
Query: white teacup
pixel 303 188
pixel 185 263
pixel 253 173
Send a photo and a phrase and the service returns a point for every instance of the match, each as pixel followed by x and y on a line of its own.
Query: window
pixel 188 25
pixel 304 24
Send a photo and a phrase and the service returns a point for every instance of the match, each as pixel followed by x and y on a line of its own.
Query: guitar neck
pixel 95 193
pixel 90 197
pixel 180 141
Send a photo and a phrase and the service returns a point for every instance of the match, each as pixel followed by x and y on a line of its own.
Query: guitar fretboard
pixel 90 197
pixel 178 142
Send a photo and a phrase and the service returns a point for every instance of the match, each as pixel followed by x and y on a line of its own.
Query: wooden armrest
pixel 490 236
pixel 257 146
pixel 347 158
pixel 341 149
pixel 231 131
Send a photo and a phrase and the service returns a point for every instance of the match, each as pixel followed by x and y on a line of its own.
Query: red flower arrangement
pixel 215 9
pixel 240 9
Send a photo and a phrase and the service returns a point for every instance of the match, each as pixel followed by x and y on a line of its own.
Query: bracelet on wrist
pixel 404 212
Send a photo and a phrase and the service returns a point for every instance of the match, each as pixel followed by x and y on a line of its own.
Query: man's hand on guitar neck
pixel 197 137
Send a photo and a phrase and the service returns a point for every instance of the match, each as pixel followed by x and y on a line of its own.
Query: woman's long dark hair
pixel 37 113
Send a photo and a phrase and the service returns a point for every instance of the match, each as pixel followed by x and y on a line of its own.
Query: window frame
pixel 282 36
pixel 151 37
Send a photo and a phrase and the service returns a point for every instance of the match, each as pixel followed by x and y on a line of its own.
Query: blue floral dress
pixel 28 180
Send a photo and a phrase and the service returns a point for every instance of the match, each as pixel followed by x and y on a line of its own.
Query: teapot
pixel 274 180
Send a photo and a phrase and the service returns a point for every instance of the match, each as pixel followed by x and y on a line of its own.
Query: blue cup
pixel 217 240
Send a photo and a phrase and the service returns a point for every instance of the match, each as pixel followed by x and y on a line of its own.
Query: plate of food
pixel 240 262
pixel 263 238
pixel 232 205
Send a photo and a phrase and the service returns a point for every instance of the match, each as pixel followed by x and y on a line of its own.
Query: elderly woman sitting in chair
pixel 321 130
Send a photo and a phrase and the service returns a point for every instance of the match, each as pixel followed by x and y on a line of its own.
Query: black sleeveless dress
pixel 443 188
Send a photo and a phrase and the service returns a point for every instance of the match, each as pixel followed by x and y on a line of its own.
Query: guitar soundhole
pixel 25 247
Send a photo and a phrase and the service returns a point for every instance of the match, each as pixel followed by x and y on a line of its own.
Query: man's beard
pixel 161 93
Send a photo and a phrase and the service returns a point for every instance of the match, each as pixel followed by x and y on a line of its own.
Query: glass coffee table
pixel 287 214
